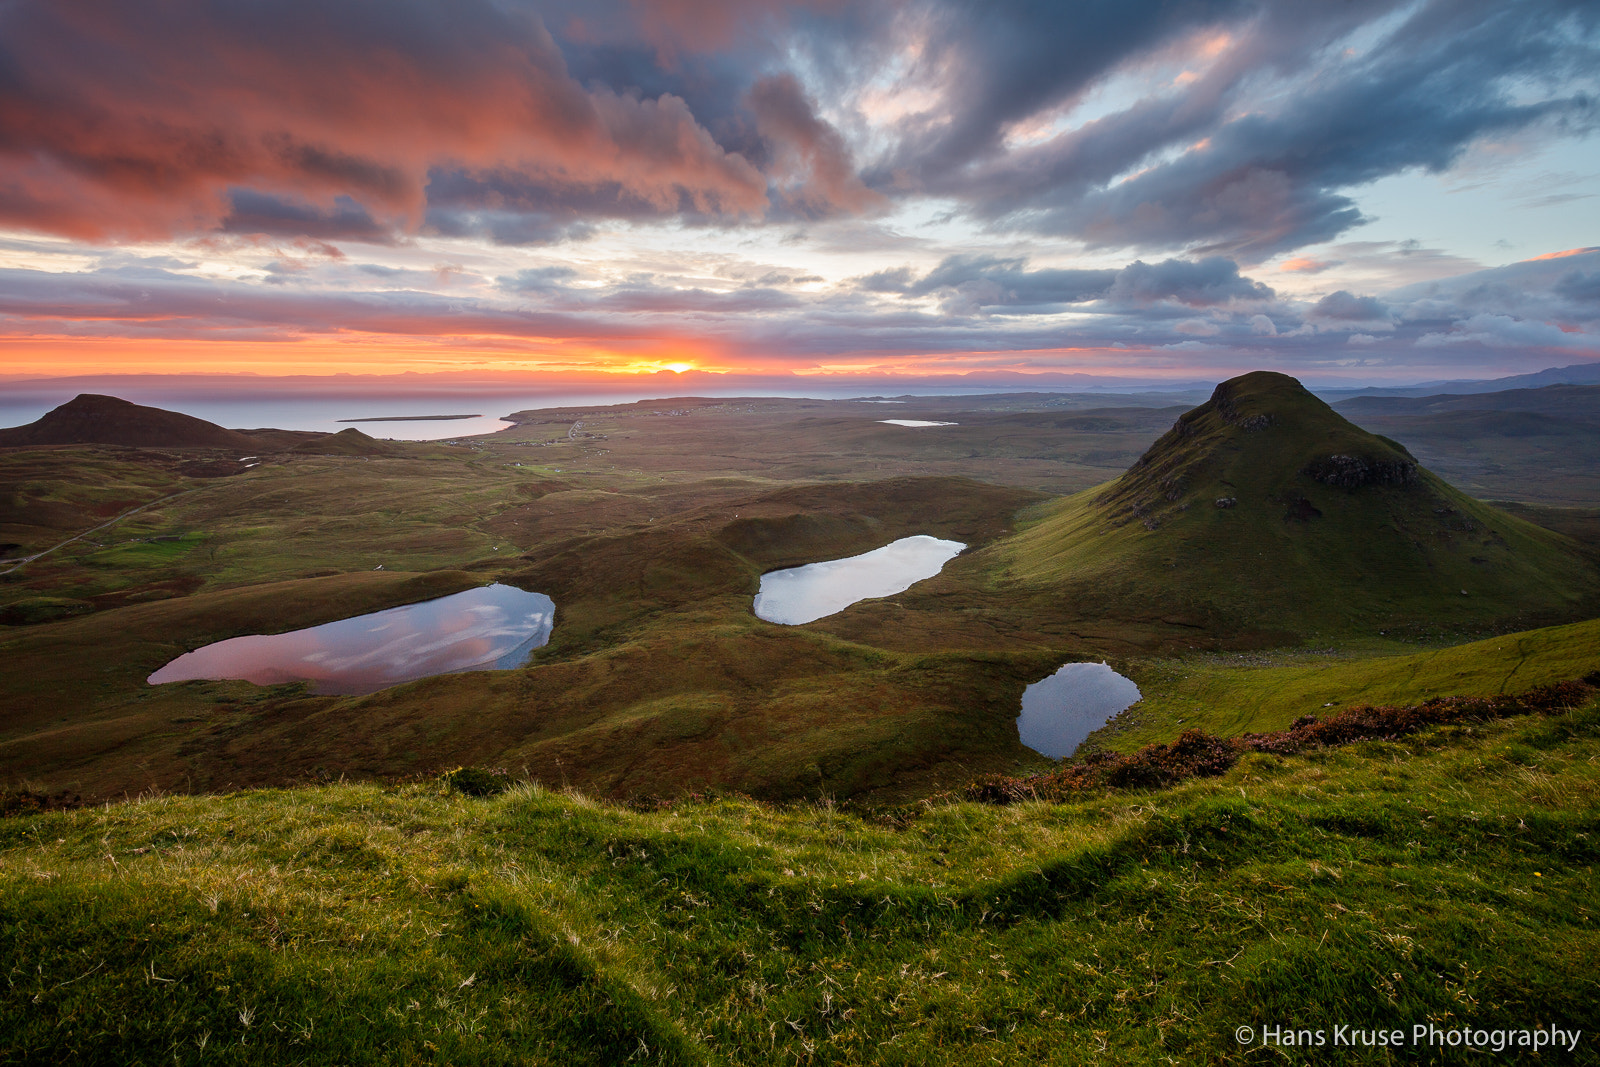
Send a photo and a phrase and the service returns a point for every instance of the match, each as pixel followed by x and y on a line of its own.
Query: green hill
pixel 1264 509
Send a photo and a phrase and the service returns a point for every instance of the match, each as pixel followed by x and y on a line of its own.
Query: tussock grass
pixel 1447 877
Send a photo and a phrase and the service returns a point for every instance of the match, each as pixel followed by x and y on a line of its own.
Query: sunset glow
pixel 540 189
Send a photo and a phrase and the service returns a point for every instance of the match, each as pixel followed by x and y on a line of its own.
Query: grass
pixel 1449 879
pixel 1231 695
pixel 143 552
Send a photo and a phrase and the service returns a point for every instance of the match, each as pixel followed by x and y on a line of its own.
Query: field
pixel 1447 879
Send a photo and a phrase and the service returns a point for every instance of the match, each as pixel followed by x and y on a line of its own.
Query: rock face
pixel 91 419
pixel 1352 472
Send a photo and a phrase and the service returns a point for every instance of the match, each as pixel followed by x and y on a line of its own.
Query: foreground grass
pixel 1449 879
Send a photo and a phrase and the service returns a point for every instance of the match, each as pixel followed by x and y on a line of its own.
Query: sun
pixel 678 368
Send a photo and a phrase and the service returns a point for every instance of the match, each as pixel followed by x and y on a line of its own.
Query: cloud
pixel 971 283
pixel 989 281
pixel 252 212
pixel 122 120
pixel 1208 282
pixel 1342 307
pixel 889 280
pixel 810 163
pixel 1251 155
pixel 1503 331
pixel 1580 287
pixel 1306 265
pixel 1210 127
pixel 538 280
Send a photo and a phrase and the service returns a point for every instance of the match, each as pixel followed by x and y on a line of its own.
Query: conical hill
pixel 91 419
pixel 1263 508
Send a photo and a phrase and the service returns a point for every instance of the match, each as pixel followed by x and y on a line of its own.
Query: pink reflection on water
pixel 492 628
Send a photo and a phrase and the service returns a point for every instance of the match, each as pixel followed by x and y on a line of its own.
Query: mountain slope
pixel 1263 508
pixel 91 419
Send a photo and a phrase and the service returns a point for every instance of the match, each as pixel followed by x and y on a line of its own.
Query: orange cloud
pixel 1305 265
pixel 118 120
pixel 1563 255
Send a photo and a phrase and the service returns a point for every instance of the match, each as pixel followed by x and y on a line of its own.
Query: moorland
pixel 729 841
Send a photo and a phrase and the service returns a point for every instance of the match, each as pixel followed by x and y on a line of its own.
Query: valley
pixel 685 834
pixel 650 524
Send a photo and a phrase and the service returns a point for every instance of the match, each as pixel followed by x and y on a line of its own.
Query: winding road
pixel 40 555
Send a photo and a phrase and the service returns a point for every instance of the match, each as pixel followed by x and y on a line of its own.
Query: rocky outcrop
pixel 1353 472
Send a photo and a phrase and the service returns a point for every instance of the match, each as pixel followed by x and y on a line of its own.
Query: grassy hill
pixel 106 420
pixel 1448 879
pixel 1232 694
pixel 1263 508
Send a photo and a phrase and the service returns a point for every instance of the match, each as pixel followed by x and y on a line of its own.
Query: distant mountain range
pixel 1577 374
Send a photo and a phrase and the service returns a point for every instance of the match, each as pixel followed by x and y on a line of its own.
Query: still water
pixel 1059 712
pixel 494 627
pixel 805 594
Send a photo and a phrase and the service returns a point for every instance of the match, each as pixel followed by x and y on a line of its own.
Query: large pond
pixel 494 627
pixel 1059 712
pixel 805 594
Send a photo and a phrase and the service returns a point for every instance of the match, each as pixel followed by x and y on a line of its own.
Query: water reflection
pixel 494 627
pixel 805 594
pixel 1059 712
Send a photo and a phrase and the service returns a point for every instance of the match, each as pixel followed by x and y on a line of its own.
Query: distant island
pixel 413 418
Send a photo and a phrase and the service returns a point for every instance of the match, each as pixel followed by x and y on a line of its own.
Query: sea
pixel 244 404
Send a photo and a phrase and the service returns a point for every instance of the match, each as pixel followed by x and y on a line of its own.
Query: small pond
pixel 914 423
pixel 494 627
pixel 1059 712
pixel 805 594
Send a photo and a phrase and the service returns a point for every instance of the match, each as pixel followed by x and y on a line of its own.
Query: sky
pixel 1005 191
